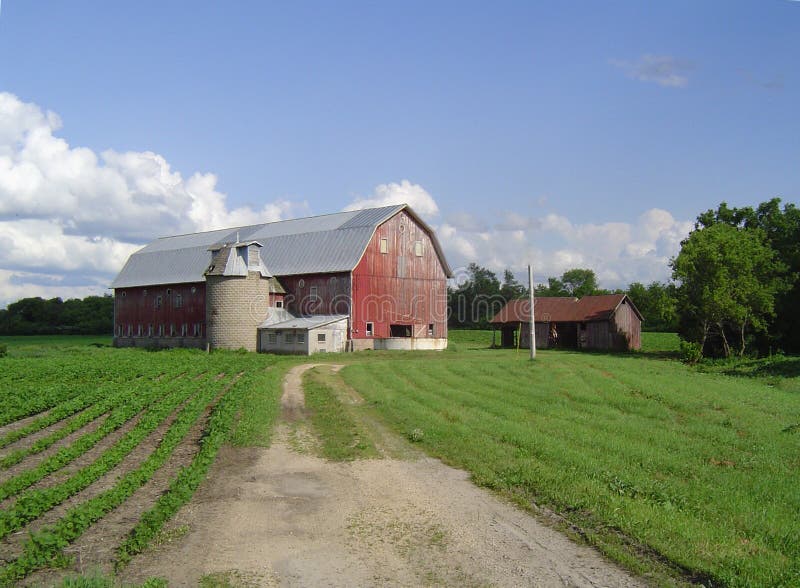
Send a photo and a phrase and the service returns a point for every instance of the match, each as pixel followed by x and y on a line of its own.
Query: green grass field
pixel 665 468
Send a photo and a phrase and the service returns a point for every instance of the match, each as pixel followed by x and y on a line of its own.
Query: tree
pixel 472 304
pixel 658 304
pixel 554 287
pixel 781 227
pixel 580 282
pixel 729 278
pixel 511 288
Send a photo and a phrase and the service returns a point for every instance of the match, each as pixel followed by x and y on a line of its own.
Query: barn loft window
pixel 158 302
pixel 279 304
pixel 321 338
pixel 384 245
pixel 144 292
pixel 194 289
pixel 178 300
pixel 124 294
pixel 312 291
pixel 370 329
pixel 419 250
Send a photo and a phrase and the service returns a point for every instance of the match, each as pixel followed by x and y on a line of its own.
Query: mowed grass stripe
pixel 620 444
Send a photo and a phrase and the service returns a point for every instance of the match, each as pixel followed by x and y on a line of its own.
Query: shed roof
pixel 320 244
pixel 306 322
pixel 563 309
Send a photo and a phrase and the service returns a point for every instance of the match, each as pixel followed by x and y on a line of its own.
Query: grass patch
pixel 661 343
pixel 343 437
pixel 666 469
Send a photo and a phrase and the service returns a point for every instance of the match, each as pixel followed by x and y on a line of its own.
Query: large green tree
pixel 474 302
pixel 729 278
pixel 781 227
pixel 658 304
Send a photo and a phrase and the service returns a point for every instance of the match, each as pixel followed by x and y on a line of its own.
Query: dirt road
pixel 283 517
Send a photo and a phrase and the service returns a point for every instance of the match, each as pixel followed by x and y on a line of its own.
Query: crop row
pixel 46 546
pixel 30 385
pixel 140 397
pixel 34 503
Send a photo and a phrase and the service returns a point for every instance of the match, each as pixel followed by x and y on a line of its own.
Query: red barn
pixel 609 322
pixel 365 279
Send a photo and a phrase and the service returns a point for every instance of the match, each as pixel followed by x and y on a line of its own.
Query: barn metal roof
pixel 320 244
pixel 563 309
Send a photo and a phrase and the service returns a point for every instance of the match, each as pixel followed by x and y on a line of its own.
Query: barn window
pixel 312 291
pixel 272 338
pixel 321 338
pixel 194 289
pixel 418 248
pixel 150 330
pixel 169 291
pixel 139 330
pixel 384 245
pixel 301 283
pixel 301 337
pixel 178 300
pixel 184 329
pixel 160 330
pixel 130 329
pixel 196 329
pixel 430 330
pixel 279 304
pixel 124 294
pixel 171 330
pixel 119 330
pixel 158 302
pixel 289 338
pixel 370 329
pixel 144 292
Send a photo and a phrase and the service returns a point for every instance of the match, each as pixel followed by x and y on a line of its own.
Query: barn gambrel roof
pixel 314 245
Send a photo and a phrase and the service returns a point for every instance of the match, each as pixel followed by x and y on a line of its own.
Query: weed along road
pixel 372 511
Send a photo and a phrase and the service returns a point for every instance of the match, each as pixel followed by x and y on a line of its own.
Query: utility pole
pixel 532 338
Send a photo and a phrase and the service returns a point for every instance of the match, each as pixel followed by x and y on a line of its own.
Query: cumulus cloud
pixel 75 214
pixel 663 70
pixel 403 193
pixel 619 252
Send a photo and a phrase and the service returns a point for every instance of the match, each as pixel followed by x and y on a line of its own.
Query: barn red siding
pixel 399 287
pixel 333 293
pixel 137 312
pixel 628 327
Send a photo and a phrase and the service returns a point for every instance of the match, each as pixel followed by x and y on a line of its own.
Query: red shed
pixel 593 322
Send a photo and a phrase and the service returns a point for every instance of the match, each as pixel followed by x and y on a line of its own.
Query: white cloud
pixel 664 70
pixel 403 193
pixel 71 213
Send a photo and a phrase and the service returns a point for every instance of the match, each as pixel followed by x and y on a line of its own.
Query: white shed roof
pixel 306 323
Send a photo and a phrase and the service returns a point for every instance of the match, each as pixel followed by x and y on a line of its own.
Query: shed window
pixel 321 338
pixel 418 248
pixel 384 245
pixel 289 338
pixel 178 300
pixel 272 337
pixel 301 337
pixel 370 329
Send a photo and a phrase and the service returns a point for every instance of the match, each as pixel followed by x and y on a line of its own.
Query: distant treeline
pixel 94 315
pixel 480 295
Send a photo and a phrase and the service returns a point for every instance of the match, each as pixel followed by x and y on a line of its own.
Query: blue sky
pixel 583 134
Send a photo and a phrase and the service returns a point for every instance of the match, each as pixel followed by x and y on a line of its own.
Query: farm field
pixel 92 438
pixel 679 473
pixel 658 464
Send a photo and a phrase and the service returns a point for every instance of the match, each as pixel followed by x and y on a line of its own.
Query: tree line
pixel 474 302
pixel 93 315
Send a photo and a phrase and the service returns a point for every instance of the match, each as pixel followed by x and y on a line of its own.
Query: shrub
pixel 3 349
pixel 691 353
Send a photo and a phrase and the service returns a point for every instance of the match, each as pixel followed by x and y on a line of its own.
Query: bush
pixel 3 349
pixel 691 353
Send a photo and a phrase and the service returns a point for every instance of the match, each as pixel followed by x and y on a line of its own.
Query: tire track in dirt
pixel 282 518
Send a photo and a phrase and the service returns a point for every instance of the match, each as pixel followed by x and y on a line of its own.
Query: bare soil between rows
pixel 283 517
